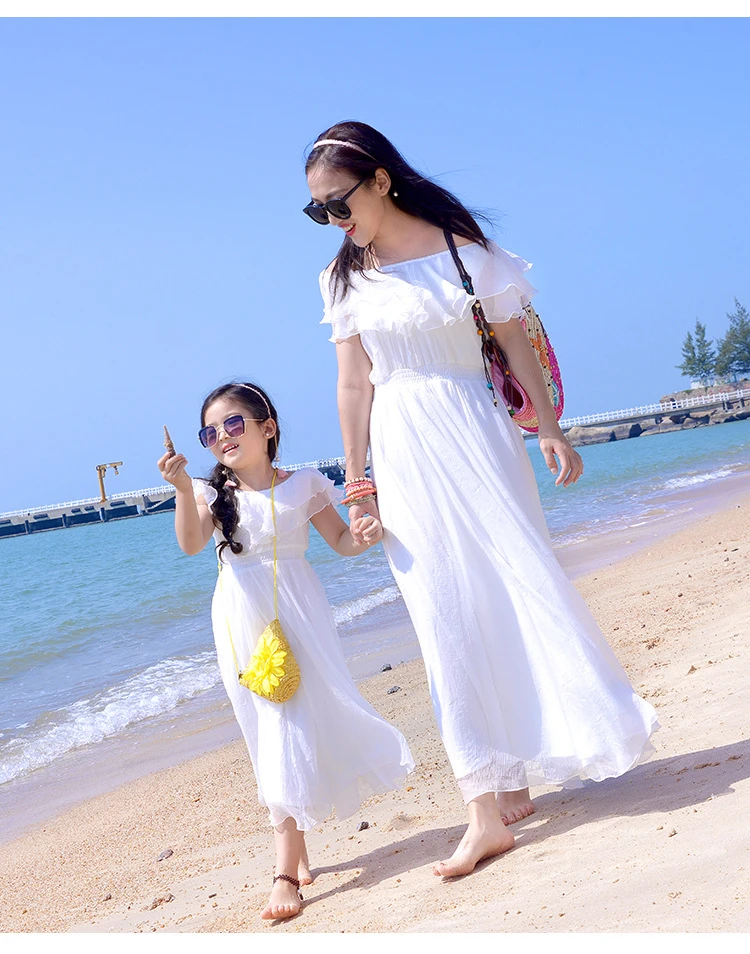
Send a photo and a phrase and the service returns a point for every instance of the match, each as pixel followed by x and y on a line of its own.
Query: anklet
pixel 291 880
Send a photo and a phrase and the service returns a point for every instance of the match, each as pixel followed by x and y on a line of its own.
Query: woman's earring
pixel 395 195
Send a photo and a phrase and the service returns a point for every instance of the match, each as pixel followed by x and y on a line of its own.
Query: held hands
pixel 554 444
pixel 370 528
pixel 172 467
pixel 364 523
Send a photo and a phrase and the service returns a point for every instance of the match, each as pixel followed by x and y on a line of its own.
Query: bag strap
pixel 275 538
pixel 491 351
pixel 275 584
pixel 465 276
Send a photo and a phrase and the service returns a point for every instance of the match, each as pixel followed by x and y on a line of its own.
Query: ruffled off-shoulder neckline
pixel 309 493
pixel 421 294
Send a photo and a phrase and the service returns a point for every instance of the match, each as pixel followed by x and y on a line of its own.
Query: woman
pixel 524 686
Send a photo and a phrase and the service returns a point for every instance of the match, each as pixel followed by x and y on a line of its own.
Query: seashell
pixel 168 442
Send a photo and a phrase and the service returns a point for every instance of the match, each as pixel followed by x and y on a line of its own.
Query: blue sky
pixel 152 243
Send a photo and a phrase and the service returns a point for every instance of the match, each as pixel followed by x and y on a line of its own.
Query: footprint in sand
pixel 400 822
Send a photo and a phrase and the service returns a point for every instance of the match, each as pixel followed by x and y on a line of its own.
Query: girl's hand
pixel 554 444
pixel 172 467
pixel 356 513
pixel 370 528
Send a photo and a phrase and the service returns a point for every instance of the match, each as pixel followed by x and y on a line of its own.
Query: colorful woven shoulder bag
pixel 500 378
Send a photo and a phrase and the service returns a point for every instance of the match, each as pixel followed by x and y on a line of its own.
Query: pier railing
pixel 663 407
pixel 88 501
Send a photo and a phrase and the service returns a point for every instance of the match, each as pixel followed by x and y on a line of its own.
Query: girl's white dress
pixel 326 748
pixel 524 685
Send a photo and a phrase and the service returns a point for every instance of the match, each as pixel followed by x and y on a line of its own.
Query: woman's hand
pixel 356 514
pixel 172 467
pixel 555 447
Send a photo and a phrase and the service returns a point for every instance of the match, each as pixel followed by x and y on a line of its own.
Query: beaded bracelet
pixel 362 494
pixel 359 488
pixel 357 480
pixel 347 502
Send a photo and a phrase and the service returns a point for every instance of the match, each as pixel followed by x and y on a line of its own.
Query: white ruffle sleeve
pixel 202 492
pixel 426 293
pixel 501 284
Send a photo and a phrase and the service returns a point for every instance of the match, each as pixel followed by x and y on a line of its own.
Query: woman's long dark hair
pixel 417 195
pixel 259 406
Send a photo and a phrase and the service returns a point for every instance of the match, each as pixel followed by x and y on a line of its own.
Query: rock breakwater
pixel 658 424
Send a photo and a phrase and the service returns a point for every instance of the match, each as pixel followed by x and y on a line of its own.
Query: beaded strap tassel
pixel 490 351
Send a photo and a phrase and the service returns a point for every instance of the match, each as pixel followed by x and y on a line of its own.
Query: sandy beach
pixel 666 848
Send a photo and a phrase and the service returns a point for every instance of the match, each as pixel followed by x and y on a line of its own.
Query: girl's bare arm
pixel 341 538
pixel 193 522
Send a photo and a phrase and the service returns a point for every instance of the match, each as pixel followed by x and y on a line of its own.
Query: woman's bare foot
pixel 485 837
pixel 303 870
pixel 284 901
pixel 514 806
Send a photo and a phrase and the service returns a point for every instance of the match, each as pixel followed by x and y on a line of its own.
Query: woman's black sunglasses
pixel 337 207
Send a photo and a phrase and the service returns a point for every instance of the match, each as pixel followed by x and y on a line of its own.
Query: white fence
pixel 149 492
pixel 666 407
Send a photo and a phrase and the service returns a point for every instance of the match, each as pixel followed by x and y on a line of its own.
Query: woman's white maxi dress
pixel 326 748
pixel 524 685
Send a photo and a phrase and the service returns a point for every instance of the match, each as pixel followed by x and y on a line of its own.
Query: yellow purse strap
pixel 275 587
pixel 275 535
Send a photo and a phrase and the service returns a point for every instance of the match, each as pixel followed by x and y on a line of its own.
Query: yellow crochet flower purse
pixel 272 672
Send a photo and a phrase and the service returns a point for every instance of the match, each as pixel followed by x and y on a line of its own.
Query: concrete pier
pixel 138 503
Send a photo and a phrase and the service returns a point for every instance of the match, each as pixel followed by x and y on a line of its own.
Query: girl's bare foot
pixel 284 902
pixel 515 806
pixel 303 870
pixel 291 854
pixel 485 837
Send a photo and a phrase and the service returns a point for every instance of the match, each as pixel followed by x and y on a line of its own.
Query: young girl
pixel 325 747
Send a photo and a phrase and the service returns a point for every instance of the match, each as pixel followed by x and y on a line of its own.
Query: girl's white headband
pixel 260 395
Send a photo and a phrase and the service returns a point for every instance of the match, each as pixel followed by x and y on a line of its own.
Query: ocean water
pixel 105 630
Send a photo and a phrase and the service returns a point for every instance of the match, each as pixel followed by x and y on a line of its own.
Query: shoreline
pixel 204 725
pixel 676 615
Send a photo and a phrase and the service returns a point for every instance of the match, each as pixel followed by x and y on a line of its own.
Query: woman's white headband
pixel 342 142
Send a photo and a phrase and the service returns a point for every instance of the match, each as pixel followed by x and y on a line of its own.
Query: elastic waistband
pixel 450 372
pixel 239 560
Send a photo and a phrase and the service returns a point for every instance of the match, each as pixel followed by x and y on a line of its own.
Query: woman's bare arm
pixel 355 403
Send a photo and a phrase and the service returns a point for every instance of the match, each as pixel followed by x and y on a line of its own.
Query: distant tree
pixel 688 357
pixel 698 355
pixel 705 356
pixel 734 348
